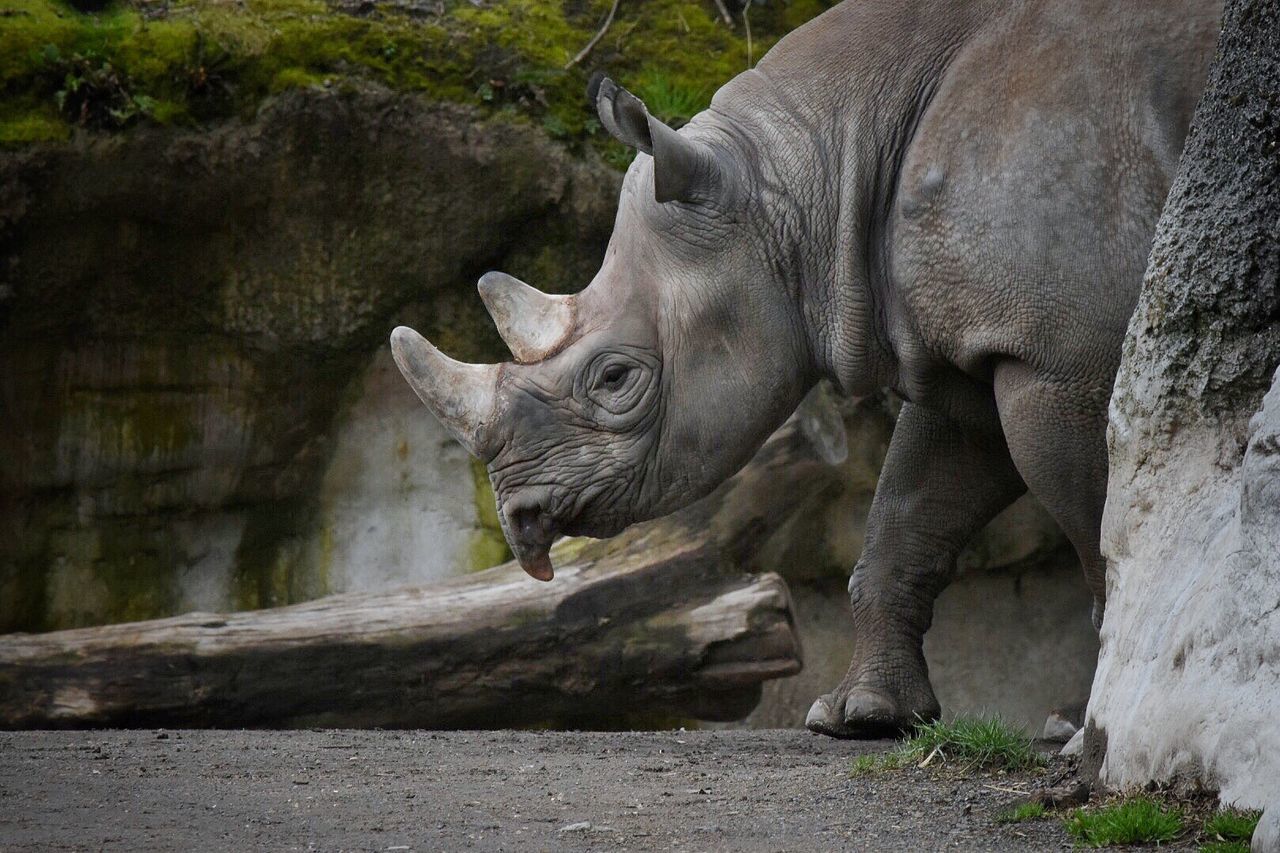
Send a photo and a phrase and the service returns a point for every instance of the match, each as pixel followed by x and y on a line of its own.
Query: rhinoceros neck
pixel 831 112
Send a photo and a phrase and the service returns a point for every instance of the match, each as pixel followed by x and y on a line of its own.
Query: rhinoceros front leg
pixel 938 487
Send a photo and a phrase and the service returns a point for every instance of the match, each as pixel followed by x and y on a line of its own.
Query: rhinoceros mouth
pixel 534 533
pixel 536 561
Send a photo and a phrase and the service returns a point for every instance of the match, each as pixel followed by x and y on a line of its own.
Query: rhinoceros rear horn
pixel 683 170
pixel 533 324
pixel 461 395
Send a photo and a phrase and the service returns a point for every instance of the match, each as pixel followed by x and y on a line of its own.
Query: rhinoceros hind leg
pixel 1057 436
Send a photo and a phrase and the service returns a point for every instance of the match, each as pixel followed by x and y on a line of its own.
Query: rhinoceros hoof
pixel 865 713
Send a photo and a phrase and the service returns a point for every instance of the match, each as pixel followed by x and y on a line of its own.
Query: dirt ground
pixel 518 791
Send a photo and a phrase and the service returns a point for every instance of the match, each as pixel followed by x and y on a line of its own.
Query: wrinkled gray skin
pixel 951 200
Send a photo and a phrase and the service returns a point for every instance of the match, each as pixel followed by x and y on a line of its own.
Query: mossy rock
pixel 266 188
pixel 192 61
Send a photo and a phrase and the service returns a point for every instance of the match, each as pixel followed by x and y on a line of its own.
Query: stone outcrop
pixel 197 404
pixel 1188 684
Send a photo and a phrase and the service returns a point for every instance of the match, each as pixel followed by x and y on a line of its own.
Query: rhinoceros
pixel 951 199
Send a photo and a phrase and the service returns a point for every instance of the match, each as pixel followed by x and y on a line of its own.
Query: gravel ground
pixel 518 791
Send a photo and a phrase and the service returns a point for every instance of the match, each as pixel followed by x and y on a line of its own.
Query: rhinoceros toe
pixel 864 713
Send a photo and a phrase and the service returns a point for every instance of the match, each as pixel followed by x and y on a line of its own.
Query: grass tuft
pixel 1232 825
pixel 1026 811
pixel 1136 821
pixel 671 101
pixel 988 743
pixel 1224 847
pixel 865 765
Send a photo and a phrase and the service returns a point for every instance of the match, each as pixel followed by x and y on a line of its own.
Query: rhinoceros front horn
pixel 460 395
pixel 533 324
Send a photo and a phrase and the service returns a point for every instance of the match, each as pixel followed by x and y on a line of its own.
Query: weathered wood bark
pixel 655 627
pixel 1188 684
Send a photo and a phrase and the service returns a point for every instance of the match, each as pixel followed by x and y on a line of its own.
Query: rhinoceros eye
pixel 616 383
pixel 614 377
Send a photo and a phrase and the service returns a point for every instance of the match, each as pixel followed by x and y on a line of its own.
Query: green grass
pixel 984 743
pixel 865 765
pixel 1229 831
pixel 1136 821
pixel 188 62
pixel 1224 847
pixel 987 743
pixel 1026 811
pixel 671 101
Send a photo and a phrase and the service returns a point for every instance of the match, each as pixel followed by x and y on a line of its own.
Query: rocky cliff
pixel 1188 684
pixel 210 217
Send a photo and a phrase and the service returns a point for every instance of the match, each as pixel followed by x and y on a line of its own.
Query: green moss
pixel 486 551
pixel 195 60
pixel 296 78
pixel 268 557
pixel 488 546
pixel 867 765
pixel 117 571
pixel 31 124
pixel 569 549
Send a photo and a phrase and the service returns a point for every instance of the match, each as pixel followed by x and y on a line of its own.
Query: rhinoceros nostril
pixel 531 523
pixel 527 524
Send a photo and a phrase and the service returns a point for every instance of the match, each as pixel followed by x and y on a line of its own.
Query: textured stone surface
pixel 399 502
pixel 1188 683
pixel 189 322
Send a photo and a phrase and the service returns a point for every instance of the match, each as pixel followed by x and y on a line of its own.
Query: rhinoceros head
pixel 648 388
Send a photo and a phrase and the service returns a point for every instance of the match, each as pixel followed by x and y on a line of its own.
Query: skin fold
pixel 953 200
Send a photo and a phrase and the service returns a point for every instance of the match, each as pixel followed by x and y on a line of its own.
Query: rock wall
pixel 210 218
pixel 199 412
pixel 1188 684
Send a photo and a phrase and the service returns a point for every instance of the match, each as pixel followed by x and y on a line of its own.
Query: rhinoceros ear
pixel 683 170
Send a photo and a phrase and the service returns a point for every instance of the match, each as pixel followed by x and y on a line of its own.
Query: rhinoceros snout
pixel 530 530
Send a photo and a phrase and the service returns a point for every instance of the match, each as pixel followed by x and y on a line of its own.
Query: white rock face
pixel 398 501
pixel 1188 681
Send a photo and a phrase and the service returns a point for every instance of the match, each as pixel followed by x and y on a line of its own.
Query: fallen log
pixel 653 625
pixel 658 626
